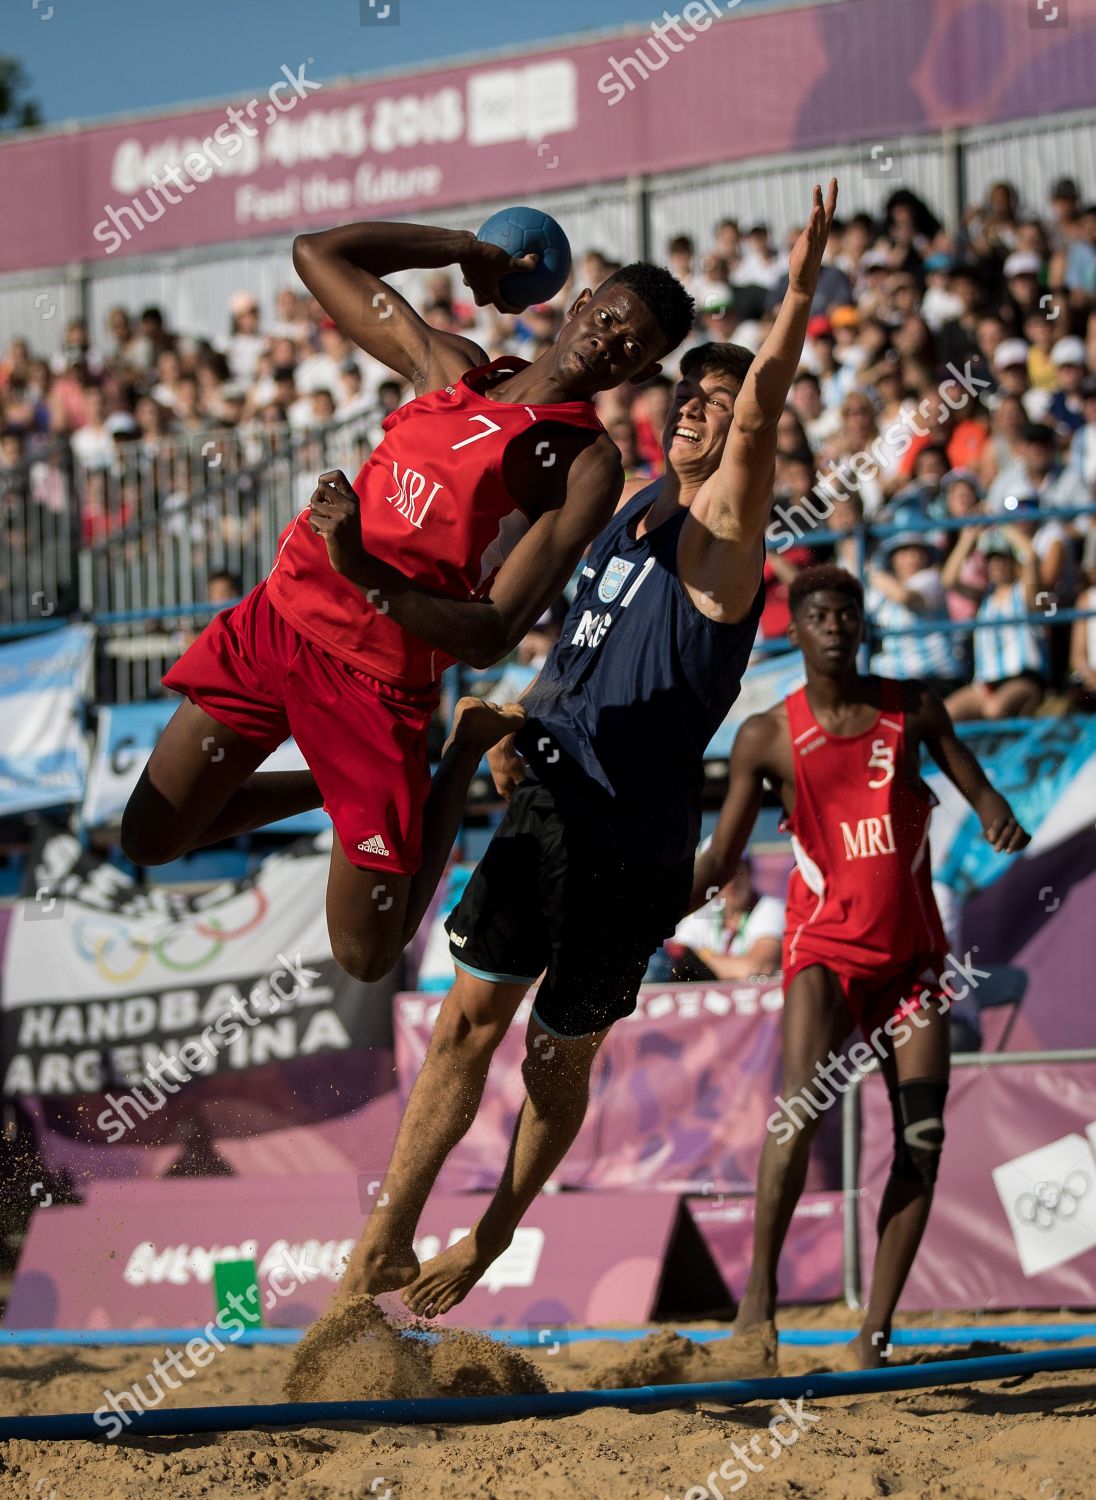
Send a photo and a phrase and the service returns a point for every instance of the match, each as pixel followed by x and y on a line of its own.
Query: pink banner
pixel 1014 1217
pixel 141 1255
pixel 714 88
pixel 810 1265
pixel 679 1097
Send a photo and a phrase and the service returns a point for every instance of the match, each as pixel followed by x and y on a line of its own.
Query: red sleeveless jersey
pixel 860 899
pixel 435 505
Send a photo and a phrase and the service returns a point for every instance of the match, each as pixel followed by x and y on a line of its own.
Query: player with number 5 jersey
pixel 864 945
pixel 460 530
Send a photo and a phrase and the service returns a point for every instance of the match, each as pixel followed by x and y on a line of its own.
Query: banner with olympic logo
pixel 102 977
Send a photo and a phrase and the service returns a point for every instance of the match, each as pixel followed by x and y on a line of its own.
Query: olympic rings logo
pixel 121 955
pixel 1051 1201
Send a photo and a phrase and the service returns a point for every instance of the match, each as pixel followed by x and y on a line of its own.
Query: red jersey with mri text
pixel 860 898
pixel 435 505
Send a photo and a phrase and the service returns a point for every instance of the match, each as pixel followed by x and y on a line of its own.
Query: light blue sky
pixel 93 58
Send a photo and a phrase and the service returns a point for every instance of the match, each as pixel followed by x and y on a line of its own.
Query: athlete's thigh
pixel 365 743
pixel 195 767
pixel 815 1019
pixel 607 913
pixel 365 913
pixel 925 1053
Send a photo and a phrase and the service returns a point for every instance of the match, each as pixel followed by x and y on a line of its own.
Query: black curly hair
pixel 823 579
pixel 670 304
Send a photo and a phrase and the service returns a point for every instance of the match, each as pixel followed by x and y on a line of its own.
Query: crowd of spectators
pixel 945 376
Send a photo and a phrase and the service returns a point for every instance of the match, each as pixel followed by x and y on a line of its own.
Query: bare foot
pixel 373 1269
pixel 870 1350
pixel 450 1276
pixel 860 1353
pixel 752 1351
pixel 480 724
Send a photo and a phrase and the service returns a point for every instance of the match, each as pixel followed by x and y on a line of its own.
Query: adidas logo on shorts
pixel 374 845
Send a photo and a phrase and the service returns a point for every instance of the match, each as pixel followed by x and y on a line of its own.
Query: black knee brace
pixel 918 1110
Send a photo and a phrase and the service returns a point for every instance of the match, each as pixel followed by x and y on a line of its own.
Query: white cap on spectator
pixel 874 260
pixel 241 302
pixel 1010 352
pixel 718 298
pixel 120 421
pixel 1069 351
pixel 1022 263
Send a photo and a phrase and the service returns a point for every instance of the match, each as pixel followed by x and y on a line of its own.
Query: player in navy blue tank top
pixel 592 866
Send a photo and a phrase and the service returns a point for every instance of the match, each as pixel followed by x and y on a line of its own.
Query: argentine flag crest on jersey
pixel 613 579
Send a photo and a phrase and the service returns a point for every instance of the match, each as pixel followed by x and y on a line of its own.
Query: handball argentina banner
pixel 710 76
pixel 102 980
pixel 43 755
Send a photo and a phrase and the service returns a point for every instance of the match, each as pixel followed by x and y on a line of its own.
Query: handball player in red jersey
pixel 864 945
pixel 462 527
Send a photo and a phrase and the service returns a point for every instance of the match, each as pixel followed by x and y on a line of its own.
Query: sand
pixel 1033 1438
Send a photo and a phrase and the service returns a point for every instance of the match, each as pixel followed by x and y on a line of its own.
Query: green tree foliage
pixel 16 110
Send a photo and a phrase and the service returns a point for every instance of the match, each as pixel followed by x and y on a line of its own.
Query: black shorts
pixel 552 894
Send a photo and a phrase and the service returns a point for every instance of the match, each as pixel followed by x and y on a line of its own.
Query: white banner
pixel 43 751
pixel 101 979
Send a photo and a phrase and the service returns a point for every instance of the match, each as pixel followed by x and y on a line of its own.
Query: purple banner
pixel 1014 1217
pixel 141 1255
pixel 810 1265
pixel 679 1096
pixel 300 154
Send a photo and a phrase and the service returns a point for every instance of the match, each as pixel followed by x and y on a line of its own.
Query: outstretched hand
pixel 805 261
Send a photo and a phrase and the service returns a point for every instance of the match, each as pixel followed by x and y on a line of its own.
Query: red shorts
pixel 363 740
pixel 890 993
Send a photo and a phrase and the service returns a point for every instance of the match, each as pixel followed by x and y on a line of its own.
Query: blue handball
pixel 519 231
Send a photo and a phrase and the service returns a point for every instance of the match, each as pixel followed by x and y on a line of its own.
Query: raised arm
pixel 343 269
pixel 482 631
pixel 715 865
pixel 728 517
pixel 953 563
pixel 937 732
pixel 1029 565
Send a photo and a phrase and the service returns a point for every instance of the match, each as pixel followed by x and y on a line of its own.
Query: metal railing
pixel 169 515
pixel 133 545
pixel 39 535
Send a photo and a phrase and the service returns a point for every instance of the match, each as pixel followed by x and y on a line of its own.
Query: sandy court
pixel 1032 1437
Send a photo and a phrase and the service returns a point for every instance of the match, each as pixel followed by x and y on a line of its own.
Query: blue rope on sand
pixel 544 1337
pixel 459 1409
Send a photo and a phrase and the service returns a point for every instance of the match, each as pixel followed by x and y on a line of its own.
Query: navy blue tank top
pixel 634 689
